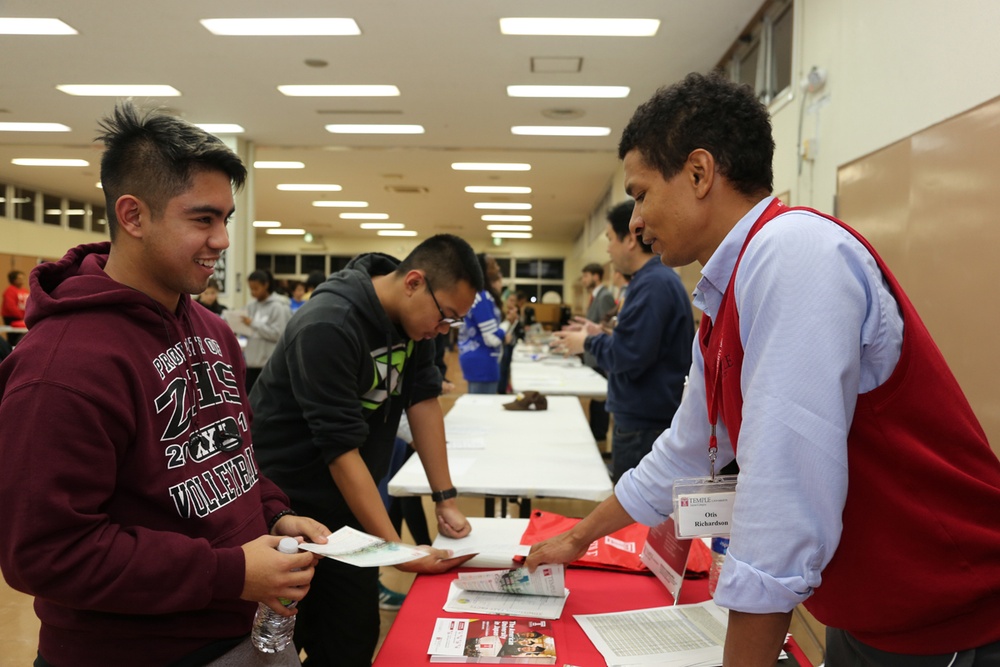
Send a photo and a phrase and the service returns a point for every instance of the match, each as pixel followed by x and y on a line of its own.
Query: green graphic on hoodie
pixel 388 374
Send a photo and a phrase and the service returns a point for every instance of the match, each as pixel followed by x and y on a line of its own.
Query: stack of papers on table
pixel 516 592
pixel 687 635
pixel 467 640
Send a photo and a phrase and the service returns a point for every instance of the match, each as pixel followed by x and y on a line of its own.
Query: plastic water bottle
pixel 720 545
pixel 271 631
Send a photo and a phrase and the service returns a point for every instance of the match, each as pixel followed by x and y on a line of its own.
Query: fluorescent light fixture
pixel 509 228
pixel 48 162
pixel 506 218
pixel 286 232
pixel 278 164
pixel 568 91
pixel 501 206
pixel 589 27
pixel 396 232
pixel 33 127
pixel 511 235
pixel 282 26
pixel 327 203
pixel 29 26
pixel 497 190
pixel 560 131
pixel 364 216
pixel 221 128
pixel 490 166
pixel 266 223
pixel 119 90
pixel 375 129
pixel 69 211
pixel 339 91
pixel 382 225
pixel 309 187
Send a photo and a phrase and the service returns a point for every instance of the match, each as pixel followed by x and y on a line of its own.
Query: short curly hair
pixel 710 112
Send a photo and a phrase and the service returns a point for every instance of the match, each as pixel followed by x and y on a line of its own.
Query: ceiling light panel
pixel 33 127
pixel 501 206
pixel 266 223
pixel 309 187
pixel 118 90
pixel 328 203
pixel 364 216
pixel 221 128
pixel 490 166
pixel 282 26
pixel 339 91
pixel 288 231
pixel 560 131
pixel 396 232
pixel 607 92
pixel 506 218
pixel 509 228
pixel 511 235
pixel 497 190
pixel 34 26
pixel 278 164
pixel 48 162
pixel 374 129
pixel 586 27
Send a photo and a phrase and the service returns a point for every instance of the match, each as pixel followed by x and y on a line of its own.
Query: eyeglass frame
pixel 450 321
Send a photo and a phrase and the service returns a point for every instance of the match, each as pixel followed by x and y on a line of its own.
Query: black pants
pixel 338 621
pixel 844 650
pixel 599 420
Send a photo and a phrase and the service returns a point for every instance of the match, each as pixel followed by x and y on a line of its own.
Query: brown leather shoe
pixel 529 400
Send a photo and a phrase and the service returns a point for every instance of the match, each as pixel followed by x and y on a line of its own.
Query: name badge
pixel 703 507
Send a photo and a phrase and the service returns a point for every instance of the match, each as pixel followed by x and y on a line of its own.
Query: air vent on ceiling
pixel 407 189
pixel 563 114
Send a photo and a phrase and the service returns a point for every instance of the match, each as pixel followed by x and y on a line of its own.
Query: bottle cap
pixel 288 545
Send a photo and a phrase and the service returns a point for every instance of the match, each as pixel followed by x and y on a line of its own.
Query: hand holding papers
pixel 541 594
pixel 362 550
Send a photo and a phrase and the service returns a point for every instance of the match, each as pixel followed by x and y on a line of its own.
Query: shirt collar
pixel 716 273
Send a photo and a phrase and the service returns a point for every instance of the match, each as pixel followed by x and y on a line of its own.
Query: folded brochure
pixel 494 641
pixel 516 592
pixel 363 550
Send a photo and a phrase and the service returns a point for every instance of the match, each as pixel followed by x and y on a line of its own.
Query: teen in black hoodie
pixel 327 406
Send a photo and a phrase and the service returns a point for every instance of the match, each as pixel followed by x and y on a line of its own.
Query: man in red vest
pixel 867 489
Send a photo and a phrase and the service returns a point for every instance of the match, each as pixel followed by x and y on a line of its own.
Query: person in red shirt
pixel 15 299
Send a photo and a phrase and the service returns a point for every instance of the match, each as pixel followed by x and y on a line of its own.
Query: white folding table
pixel 498 453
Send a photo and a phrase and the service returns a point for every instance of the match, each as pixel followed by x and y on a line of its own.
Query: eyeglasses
pixel 450 321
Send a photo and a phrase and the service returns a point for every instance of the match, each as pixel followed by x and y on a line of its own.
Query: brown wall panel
pixel 929 205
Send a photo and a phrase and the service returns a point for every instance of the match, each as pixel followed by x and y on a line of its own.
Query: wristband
pixel 438 496
pixel 276 518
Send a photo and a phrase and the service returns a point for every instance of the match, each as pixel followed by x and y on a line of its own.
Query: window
pixel 24 204
pixel 339 262
pixel 51 210
pixel 762 56
pixel 3 200
pixel 76 214
pixel 312 263
pixel 550 269
pixel 98 219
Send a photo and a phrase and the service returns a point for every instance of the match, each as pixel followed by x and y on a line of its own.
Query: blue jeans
pixel 483 387
pixel 628 446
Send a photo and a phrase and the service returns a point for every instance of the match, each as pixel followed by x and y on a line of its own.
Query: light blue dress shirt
pixel 818 326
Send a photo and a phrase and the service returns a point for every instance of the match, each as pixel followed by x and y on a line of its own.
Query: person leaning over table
pixel 867 490
pixel 134 511
pixel 327 408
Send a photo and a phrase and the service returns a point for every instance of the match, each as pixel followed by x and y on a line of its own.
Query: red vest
pixel 917 569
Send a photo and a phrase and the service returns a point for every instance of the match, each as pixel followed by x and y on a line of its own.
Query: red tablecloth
pixel 591 592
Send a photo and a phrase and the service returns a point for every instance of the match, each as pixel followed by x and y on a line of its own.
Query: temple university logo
pixel 684 502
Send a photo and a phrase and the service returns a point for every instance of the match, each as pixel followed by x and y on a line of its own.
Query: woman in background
pixel 267 315
pixel 210 298
pixel 480 342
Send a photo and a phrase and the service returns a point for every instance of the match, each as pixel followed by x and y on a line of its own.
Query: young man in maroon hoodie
pixel 135 512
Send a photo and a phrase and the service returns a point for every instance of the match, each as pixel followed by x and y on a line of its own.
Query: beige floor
pixel 18 643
